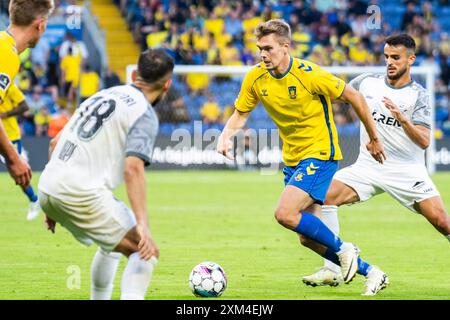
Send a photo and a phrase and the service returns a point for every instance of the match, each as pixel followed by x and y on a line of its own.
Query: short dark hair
pixel 402 39
pixel 154 65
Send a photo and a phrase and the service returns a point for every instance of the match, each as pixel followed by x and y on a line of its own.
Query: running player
pixel 297 94
pixel 109 140
pixel 13 106
pixel 28 22
pixel 400 107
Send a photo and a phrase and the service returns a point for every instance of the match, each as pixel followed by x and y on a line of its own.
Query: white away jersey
pixel 411 99
pixel 90 154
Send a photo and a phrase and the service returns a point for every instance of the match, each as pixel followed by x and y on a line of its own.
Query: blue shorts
pixel 312 176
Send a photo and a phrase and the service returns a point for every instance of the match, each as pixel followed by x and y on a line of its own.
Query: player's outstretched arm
pixel 359 104
pixel 19 170
pixel 236 122
pixel 136 186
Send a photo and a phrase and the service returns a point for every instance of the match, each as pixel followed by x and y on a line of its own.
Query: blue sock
pixel 30 194
pixel 363 267
pixel 315 229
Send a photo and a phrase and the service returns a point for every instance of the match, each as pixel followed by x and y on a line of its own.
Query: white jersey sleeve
pixel 422 111
pixel 142 136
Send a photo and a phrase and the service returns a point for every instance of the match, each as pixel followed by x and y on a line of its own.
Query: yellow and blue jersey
pixel 12 99
pixel 9 63
pixel 299 102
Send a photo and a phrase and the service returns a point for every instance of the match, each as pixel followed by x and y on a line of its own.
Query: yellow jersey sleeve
pixel 321 81
pixel 247 98
pixel 9 66
pixel 15 95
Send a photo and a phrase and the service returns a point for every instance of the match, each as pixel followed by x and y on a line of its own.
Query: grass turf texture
pixel 227 217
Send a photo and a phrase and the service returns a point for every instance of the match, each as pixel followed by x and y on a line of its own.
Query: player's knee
pixel 442 222
pixel 284 217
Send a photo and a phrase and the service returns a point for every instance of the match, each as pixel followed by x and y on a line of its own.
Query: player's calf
pixel 103 271
pixel 433 210
pixel 138 272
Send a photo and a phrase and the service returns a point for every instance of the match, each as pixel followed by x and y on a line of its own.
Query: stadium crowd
pixel 327 32
pixel 54 77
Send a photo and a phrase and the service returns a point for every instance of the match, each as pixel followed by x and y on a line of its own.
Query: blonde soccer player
pixel 297 95
pixel 28 21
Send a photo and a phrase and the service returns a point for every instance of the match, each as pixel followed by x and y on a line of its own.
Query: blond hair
pixel 22 13
pixel 275 26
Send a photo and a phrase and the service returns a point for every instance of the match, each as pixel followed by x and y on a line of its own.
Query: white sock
pixel 136 277
pixel 330 219
pixel 103 270
pixel 448 237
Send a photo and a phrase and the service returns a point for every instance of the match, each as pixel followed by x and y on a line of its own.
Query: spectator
pixel 172 108
pixel 233 26
pixel 57 123
pixel 89 83
pixel 210 111
pixel 197 83
pixel 42 120
pixel 70 76
pixel 409 15
pixel 78 48
pixel 111 79
pixel 52 74
pixel 36 102
pixel 24 80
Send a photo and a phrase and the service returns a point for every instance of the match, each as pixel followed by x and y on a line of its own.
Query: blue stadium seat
pixel 166 128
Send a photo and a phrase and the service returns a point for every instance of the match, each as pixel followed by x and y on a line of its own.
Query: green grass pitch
pixel 227 217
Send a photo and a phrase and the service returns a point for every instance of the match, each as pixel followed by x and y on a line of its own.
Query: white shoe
pixel 33 211
pixel 376 280
pixel 323 277
pixel 348 257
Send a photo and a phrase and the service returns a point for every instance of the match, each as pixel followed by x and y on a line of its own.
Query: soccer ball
pixel 208 279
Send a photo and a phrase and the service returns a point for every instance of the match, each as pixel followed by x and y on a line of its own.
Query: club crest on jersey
pixel 4 81
pixel 292 92
pixel 264 93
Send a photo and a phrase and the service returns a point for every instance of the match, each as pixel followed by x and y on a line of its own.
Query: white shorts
pixel 408 184
pixel 103 219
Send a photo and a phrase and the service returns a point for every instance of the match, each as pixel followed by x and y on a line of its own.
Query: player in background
pixel 297 94
pixel 400 107
pixel 28 22
pixel 15 105
pixel 109 140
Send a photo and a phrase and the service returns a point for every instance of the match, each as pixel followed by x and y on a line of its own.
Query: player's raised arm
pixel 359 104
pixel 236 122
